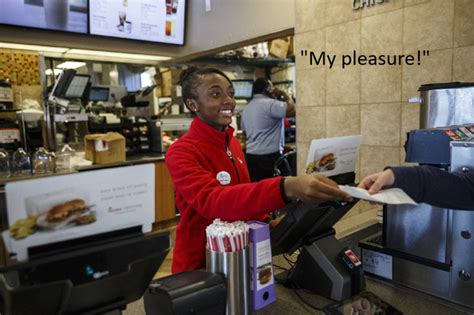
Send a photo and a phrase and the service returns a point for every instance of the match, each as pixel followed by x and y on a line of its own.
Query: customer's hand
pixel 375 182
pixel 314 188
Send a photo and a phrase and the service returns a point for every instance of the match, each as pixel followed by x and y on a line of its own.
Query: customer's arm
pixel 427 184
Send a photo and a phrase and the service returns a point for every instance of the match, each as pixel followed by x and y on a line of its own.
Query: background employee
pixel 262 122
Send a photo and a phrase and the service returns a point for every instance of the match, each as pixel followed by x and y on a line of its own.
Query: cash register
pixel 64 108
pixel 324 266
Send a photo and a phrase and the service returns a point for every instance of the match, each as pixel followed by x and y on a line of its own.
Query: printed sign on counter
pixel 262 284
pixel 59 208
pixel 333 156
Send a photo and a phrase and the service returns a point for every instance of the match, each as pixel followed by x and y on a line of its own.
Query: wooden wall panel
pixel 164 193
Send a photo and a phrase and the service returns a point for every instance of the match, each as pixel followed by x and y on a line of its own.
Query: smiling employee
pixel 210 174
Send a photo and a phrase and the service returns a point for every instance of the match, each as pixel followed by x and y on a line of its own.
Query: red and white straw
pixel 227 236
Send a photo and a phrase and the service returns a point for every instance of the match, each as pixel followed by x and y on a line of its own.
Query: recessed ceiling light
pixel 71 65
pixel 50 72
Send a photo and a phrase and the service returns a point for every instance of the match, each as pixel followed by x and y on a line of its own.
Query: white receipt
pixel 392 196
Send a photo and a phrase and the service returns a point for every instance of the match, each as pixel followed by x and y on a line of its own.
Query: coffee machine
pixel 423 247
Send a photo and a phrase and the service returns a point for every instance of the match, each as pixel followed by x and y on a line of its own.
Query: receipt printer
pixel 189 292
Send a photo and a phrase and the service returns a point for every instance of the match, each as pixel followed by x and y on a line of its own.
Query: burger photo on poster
pixel 265 274
pixel 327 162
pixel 54 211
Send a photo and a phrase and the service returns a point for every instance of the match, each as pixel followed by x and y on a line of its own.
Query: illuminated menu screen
pixel 61 15
pixel 150 20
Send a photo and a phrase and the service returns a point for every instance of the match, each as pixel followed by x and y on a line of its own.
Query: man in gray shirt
pixel 262 122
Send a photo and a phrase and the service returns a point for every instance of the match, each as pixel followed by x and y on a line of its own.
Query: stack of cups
pixel 227 253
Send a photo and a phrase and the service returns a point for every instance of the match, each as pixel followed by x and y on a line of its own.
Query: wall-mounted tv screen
pixel 149 20
pixel 61 15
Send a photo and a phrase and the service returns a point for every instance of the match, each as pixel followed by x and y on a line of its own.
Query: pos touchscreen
pixel 305 221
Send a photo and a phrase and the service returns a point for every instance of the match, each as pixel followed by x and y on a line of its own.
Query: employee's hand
pixel 375 182
pixel 314 188
pixel 280 95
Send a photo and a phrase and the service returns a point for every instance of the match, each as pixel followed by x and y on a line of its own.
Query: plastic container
pixel 21 162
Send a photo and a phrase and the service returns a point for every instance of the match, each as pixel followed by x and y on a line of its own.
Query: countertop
pixel 405 300
pixel 131 160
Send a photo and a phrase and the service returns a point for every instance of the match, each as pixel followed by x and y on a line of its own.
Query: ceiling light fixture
pixel 71 65
pixel 116 55
pixel 34 47
pixel 85 54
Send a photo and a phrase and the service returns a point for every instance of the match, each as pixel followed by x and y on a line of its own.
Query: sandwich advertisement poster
pixel 333 156
pixel 59 208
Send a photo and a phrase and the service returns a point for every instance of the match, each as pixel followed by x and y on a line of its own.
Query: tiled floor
pixel 165 268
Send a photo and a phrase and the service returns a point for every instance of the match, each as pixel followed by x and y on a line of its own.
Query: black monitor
pixel 99 94
pixel 93 278
pixel 77 86
pixel 305 221
pixel 70 85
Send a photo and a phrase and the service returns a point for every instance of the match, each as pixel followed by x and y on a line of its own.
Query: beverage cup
pixel 168 27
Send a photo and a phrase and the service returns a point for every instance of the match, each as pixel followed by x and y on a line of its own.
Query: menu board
pixel 58 208
pixel 61 15
pixel 148 20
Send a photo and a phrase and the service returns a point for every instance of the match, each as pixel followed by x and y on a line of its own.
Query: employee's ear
pixel 192 105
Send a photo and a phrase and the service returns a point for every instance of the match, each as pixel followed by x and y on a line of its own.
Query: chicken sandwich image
pixel 65 210
pixel 327 162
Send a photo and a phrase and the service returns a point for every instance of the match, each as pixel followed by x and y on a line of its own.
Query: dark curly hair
pixel 189 79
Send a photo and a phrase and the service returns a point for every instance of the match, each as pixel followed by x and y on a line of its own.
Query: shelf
pixel 256 62
pixel 283 82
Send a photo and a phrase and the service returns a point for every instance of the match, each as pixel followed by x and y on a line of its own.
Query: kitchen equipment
pixel 9 135
pixel 424 247
pixel 30 121
pixel 6 95
pixel 427 248
pixel 166 131
pixel 4 164
pixel 445 104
